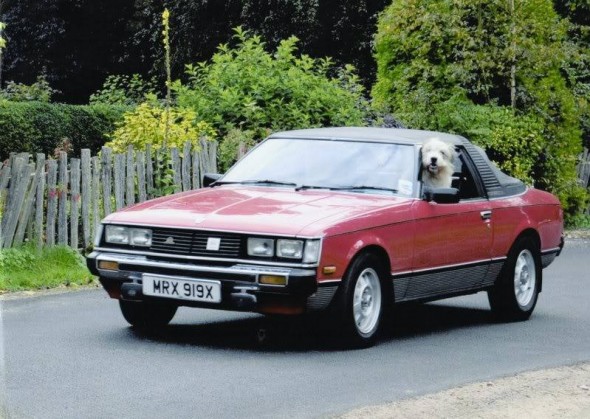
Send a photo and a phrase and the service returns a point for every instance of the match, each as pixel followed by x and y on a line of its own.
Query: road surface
pixel 72 355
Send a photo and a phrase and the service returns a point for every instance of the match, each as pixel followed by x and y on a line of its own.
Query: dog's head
pixel 437 156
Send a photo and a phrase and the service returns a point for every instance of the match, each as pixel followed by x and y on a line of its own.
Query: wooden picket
pixel 48 201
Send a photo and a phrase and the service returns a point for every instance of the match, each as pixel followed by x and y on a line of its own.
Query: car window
pixel 370 166
pixel 465 180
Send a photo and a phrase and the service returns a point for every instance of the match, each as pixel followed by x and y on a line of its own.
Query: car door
pixel 452 245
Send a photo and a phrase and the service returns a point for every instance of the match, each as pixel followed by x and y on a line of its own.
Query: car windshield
pixel 364 167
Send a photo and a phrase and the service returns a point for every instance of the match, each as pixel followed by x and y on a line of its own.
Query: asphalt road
pixel 73 356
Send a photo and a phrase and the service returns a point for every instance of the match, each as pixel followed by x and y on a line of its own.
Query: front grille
pixel 188 242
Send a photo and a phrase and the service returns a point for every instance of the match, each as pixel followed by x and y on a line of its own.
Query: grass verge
pixel 26 268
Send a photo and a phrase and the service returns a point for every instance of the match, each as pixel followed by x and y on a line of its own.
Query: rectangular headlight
pixel 292 249
pixel 141 237
pixel 261 247
pixel 311 254
pixel 116 234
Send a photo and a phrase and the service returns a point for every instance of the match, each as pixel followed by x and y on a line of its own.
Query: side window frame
pixel 469 169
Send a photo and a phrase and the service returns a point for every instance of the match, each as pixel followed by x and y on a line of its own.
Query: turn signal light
pixel 329 270
pixel 272 280
pixel 108 265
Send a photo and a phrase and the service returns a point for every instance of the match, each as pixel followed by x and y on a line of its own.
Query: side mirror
pixel 441 195
pixel 209 178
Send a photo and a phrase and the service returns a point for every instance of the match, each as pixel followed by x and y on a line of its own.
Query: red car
pixel 335 220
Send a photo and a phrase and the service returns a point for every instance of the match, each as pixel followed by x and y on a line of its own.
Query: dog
pixel 437 163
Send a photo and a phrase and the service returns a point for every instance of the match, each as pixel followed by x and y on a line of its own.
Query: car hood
pixel 262 210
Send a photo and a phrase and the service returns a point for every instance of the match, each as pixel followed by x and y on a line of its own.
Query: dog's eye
pixel 443 153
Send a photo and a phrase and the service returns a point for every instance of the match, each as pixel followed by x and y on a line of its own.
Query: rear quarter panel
pixel 535 210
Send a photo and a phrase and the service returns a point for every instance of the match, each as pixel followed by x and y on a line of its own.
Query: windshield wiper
pixel 267 182
pixel 305 187
pixel 363 187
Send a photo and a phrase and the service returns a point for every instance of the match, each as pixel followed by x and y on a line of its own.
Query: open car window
pixel 465 180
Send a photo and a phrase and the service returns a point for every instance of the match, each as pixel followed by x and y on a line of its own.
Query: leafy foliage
pixel 248 88
pixel 41 127
pixel 230 147
pixel 490 72
pixel 40 91
pixel 146 124
pixel 124 90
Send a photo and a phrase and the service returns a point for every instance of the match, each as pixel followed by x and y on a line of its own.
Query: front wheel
pixel 360 303
pixel 515 294
pixel 144 315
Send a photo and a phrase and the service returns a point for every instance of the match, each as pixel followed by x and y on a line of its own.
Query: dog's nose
pixel 433 160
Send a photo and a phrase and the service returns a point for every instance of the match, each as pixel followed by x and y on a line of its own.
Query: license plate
pixel 182 288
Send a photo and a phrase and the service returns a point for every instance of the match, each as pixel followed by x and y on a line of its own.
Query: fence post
pixel 19 181
pixel 62 223
pixel 74 202
pixel 38 226
pixel 86 194
pixel 186 166
pixel 106 180
pixel 141 191
pixel 197 174
pixel 130 179
pixel 27 208
pixel 149 170
pixel 96 196
pixel 51 201
pixel 4 177
pixel 119 181
pixel 176 169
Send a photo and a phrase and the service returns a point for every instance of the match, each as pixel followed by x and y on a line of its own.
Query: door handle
pixel 486 215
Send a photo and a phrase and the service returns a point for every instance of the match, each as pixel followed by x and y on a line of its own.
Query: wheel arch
pixel 534 235
pixel 381 254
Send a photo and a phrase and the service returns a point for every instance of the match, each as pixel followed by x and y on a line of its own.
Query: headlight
pixel 291 249
pixel 141 237
pixel 116 234
pixel 261 247
pixel 125 235
pixel 311 254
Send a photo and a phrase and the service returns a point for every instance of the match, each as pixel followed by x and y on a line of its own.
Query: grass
pixel 26 268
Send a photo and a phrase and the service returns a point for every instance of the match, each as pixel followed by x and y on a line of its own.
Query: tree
pixel 578 66
pixel 74 43
pixel 449 63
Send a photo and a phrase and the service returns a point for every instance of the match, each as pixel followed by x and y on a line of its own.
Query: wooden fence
pixel 62 201
pixel 583 169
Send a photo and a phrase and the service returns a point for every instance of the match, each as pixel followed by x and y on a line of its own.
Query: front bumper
pixel 240 286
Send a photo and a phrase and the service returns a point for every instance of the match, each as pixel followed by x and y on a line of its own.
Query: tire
pixel 515 294
pixel 143 315
pixel 359 305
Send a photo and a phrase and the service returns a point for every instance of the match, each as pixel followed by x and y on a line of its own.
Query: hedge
pixel 38 127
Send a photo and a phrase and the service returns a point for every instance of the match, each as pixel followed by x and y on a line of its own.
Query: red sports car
pixel 335 220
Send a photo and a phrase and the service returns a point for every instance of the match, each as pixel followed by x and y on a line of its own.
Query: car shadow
pixel 302 334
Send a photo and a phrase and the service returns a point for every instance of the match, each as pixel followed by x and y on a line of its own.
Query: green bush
pixel 248 88
pixel 41 127
pixel 124 90
pixel 40 91
pixel 147 124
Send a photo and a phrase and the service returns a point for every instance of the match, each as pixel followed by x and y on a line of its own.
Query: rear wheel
pixel 360 303
pixel 515 294
pixel 146 315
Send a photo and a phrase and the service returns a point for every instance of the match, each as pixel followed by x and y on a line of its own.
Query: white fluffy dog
pixel 437 163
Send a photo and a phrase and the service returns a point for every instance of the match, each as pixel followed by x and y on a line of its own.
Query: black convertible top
pixel 497 184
